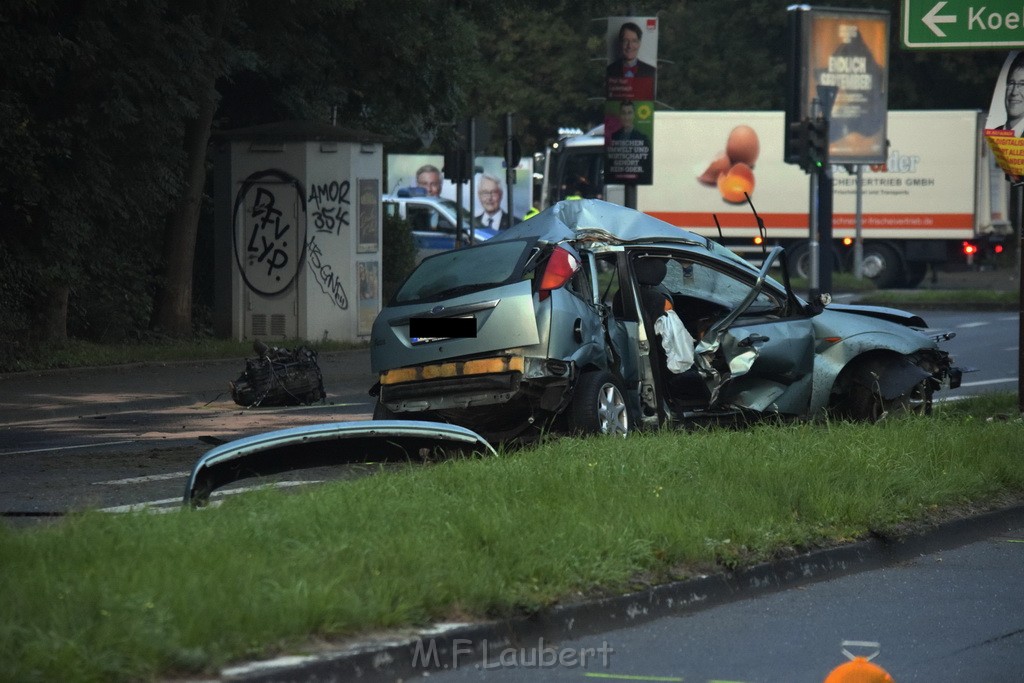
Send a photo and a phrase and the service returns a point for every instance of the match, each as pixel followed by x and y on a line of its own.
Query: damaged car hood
pixel 882 313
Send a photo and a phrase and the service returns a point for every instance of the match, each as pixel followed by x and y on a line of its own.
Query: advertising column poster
pixel 630 85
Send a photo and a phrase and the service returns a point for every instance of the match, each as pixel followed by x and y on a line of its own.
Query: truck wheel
pixel 598 405
pixel 916 270
pixel 882 266
pixel 799 260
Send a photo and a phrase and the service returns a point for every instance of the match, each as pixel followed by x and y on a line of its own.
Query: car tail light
pixel 559 269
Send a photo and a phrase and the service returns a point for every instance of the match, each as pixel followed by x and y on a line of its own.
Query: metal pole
pixel 825 262
pixel 510 171
pixel 472 181
pixel 858 235
pixel 1017 199
pixel 629 200
pixel 812 228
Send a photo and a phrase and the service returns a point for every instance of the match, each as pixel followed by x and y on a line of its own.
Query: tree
pixel 87 115
pixel 332 56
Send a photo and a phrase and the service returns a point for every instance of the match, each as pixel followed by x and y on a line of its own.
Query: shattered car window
pixel 698 280
pixel 463 271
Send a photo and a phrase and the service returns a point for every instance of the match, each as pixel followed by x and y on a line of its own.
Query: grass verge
pixel 967 299
pixel 127 597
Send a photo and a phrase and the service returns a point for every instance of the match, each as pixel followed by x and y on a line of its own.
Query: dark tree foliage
pixel 106 108
pixel 398 256
pixel 90 117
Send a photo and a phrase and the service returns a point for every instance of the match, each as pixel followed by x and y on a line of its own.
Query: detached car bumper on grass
pixel 562 322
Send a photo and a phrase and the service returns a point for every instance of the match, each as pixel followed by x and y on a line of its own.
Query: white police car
pixel 433 221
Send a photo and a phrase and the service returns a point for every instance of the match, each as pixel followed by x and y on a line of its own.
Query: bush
pixel 399 255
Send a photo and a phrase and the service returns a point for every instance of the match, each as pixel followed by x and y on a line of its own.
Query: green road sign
pixel 963 24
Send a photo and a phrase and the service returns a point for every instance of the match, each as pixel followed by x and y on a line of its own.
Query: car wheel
pixel 598 405
pixel 865 402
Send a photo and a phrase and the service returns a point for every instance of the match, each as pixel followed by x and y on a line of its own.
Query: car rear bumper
pixel 453 384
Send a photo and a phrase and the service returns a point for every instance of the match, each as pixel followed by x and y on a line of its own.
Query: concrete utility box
pixel 298 232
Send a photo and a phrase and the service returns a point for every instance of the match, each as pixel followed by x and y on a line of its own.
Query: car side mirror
pixel 818 303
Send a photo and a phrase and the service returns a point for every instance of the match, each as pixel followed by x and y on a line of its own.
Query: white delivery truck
pixel 938 198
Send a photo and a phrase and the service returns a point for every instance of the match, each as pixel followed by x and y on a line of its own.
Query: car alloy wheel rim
pixel 611 411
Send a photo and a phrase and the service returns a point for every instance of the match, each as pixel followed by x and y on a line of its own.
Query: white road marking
pixel 989 381
pixel 966 325
pixel 70 448
pixel 163 505
pixel 143 480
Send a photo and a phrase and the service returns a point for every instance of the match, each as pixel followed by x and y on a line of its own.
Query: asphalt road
pixel 122 436
pixel 945 617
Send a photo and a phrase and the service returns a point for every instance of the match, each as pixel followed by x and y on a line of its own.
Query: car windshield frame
pixel 463 271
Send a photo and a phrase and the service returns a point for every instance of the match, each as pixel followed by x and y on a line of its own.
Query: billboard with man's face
pixel 631 78
pixel 1004 126
pixel 407 172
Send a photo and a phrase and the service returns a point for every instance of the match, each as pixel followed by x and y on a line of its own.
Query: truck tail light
pixel 559 270
pixel 970 249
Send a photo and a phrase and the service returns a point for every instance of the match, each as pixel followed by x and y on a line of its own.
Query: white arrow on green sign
pixel 963 24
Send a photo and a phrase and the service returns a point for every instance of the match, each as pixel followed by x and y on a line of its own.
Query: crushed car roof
pixel 578 218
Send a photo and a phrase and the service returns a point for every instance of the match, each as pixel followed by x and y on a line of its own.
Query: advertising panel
pixel 409 171
pixel 1005 124
pixel 845 64
pixel 628 132
pixel 631 78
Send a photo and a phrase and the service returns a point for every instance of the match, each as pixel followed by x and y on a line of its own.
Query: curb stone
pixel 411 655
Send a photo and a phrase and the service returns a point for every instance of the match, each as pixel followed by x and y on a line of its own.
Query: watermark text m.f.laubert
pixel 427 654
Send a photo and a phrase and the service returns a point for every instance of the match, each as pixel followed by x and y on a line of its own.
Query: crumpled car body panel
pixel 331 443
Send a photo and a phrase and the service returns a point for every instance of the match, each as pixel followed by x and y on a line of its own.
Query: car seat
pixel 685 390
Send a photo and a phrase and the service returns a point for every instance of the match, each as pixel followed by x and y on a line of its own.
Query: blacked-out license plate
pixel 426 330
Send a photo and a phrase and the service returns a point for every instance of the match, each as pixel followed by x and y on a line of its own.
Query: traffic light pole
pixel 812 238
pixel 825 229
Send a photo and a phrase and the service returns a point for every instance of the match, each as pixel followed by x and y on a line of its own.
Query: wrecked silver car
pixel 593 317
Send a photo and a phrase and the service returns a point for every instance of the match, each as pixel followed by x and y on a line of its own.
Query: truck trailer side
pixel 938 190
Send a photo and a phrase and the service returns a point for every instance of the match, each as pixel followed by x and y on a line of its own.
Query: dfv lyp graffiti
pixel 271 237
pixel 271 247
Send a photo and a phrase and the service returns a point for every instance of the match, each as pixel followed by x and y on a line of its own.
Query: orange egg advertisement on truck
pixel 933 183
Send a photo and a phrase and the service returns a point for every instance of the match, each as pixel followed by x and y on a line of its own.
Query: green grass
pixel 77 353
pixel 100 597
pixel 956 298
pixel 841 282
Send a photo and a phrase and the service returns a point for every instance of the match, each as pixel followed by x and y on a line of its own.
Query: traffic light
pixel 797 144
pixel 817 143
pixel 458 166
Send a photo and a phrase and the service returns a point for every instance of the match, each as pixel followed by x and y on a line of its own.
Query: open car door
pixel 768 348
